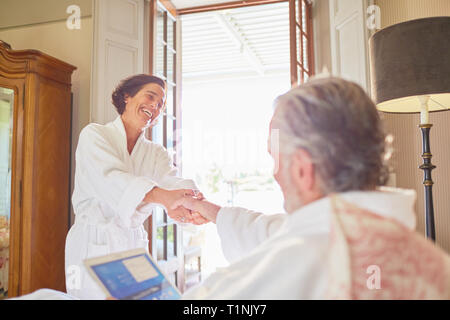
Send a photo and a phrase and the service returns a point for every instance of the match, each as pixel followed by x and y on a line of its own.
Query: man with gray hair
pixel 340 225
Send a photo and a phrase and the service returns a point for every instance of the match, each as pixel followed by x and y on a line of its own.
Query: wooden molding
pixel 227 5
pixel 292 43
pixel 309 17
pixel 170 7
pixel 152 36
pixel 19 62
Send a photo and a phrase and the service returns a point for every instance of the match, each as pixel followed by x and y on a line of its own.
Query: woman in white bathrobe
pixel 119 177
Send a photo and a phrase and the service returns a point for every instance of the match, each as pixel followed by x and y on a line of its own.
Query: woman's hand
pixel 195 217
pixel 201 209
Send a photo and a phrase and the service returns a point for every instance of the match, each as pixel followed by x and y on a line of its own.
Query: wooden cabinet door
pixel 11 155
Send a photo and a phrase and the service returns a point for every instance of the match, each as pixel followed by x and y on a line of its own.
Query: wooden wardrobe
pixel 40 89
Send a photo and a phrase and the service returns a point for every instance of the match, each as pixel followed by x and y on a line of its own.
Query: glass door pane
pixel 160 43
pixel 159 67
pixel 160 25
pixel 170 32
pixel 170 66
pixel 171 245
pixel 302 64
pixel 6 132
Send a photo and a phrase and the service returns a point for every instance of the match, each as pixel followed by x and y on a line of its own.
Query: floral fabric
pixel 374 257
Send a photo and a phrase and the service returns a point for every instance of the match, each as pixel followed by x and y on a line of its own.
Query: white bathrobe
pixel 285 256
pixel 109 187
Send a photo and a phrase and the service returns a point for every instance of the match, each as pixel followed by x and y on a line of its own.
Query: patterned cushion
pixel 373 257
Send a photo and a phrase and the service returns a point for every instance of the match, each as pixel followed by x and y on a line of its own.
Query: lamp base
pixel 427 167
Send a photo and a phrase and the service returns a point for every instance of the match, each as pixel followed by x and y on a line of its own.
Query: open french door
pixel 301 40
pixel 165 236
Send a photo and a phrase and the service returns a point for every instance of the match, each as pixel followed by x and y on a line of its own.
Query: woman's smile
pixel 147 113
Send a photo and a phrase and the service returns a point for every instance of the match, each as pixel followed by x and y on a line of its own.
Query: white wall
pixel 71 46
pixel 18 13
pixel 321 29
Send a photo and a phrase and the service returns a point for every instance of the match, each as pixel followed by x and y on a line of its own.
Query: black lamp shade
pixel 411 59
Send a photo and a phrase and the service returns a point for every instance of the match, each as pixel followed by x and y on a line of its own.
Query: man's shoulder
pixel 285 241
pixel 291 249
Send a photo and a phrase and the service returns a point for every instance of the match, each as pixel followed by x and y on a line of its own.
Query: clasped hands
pixel 184 205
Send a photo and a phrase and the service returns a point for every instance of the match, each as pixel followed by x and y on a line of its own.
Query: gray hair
pixel 339 126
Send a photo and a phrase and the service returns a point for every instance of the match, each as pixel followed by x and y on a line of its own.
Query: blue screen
pixel 122 285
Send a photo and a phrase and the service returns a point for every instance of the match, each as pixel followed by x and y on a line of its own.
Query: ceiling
pixel 248 41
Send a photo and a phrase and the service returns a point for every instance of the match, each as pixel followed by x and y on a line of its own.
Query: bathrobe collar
pixel 391 203
pixel 120 127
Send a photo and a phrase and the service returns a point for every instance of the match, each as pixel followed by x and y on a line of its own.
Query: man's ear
pixel 302 171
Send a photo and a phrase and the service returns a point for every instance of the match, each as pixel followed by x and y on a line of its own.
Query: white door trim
pixel 118 51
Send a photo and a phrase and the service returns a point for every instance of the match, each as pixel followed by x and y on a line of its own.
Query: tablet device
pixel 131 275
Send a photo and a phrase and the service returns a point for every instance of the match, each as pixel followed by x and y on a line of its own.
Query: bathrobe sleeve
pixel 285 267
pixel 107 177
pixel 165 176
pixel 166 173
pixel 240 230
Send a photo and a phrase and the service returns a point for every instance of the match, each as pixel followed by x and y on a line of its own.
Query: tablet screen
pixel 131 275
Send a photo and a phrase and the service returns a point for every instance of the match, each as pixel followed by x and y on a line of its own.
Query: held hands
pixel 200 208
pixel 183 214
pixel 180 213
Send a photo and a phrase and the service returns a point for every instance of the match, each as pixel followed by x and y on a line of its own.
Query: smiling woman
pixel 139 99
pixel 120 177
pixel 130 87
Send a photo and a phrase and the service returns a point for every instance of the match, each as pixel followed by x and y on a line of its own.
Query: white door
pixel 349 40
pixel 118 51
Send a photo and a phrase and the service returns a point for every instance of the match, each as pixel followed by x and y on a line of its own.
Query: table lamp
pixel 410 73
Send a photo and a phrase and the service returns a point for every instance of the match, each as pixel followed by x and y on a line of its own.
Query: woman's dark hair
pixel 130 86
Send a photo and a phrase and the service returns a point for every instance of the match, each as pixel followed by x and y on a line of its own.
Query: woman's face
pixel 143 109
